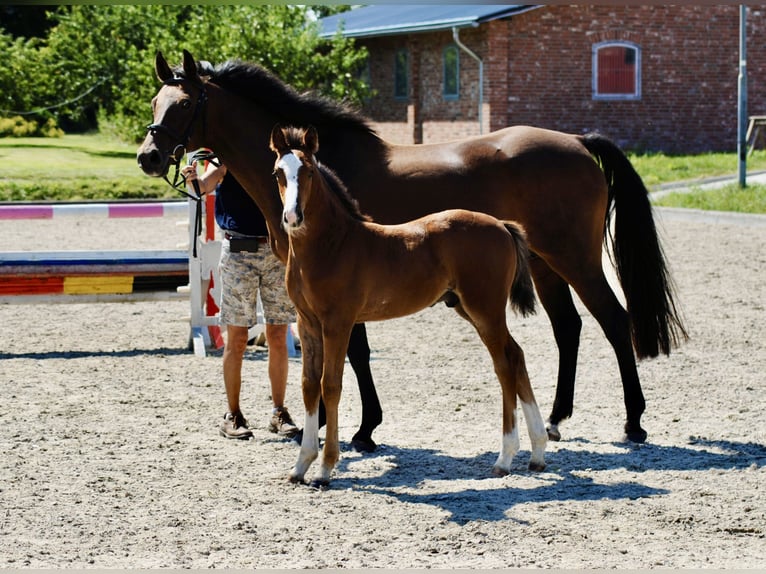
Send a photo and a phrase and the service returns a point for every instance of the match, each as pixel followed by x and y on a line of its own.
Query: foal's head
pixel 294 169
pixel 299 175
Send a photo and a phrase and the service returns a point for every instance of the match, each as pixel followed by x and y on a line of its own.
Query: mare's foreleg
pixel 556 299
pixel 311 352
pixel 372 415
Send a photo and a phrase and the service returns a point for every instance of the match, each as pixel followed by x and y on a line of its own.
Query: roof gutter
pixel 467 50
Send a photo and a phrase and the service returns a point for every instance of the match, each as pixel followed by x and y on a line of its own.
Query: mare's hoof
pixel 635 435
pixel 497 471
pixel 537 466
pixel 553 433
pixel 296 479
pixel 363 444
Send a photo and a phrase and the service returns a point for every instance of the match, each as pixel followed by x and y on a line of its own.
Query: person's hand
pixel 189 172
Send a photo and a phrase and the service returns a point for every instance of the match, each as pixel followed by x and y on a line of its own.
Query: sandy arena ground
pixel 111 455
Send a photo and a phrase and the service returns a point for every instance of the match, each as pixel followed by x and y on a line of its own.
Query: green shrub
pixel 18 127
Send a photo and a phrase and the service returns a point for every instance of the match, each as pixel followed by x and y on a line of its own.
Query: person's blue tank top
pixel 236 211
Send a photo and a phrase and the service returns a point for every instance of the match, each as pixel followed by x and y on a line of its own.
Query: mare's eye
pixel 186 104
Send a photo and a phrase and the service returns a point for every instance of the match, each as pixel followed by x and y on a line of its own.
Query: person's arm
pixel 212 176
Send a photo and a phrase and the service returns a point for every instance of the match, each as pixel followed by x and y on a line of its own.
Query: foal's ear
pixel 311 140
pixel 190 66
pixel 277 140
pixel 161 68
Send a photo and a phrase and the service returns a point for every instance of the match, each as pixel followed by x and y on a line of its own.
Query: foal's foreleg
pixel 335 343
pixel 311 351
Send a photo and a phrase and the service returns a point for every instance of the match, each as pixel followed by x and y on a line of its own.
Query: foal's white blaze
pixel 290 165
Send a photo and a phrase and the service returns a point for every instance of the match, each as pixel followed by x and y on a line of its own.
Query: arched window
pixel 616 71
pixel 451 72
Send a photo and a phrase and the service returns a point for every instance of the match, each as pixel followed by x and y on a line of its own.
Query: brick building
pixel 650 77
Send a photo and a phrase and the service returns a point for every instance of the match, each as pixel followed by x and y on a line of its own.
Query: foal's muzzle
pixel 292 220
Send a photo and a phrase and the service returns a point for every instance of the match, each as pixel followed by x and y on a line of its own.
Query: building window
pixel 616 71
pixel 451 72
pixel 401 87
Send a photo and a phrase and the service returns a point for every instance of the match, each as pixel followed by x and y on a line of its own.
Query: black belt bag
pixel 246 244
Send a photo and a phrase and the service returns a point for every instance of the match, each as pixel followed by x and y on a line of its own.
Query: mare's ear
pixel 161 68
pixel 190 66
pixel 277 140
pixel 311 140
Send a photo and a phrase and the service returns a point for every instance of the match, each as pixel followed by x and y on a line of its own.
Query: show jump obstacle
pixel 119 276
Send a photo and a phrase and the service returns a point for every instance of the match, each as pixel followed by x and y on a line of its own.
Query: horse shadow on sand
pixel 560 482
pixel 75 354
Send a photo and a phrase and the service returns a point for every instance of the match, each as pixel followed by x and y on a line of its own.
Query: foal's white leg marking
pixel 290 165
pixel 309 447
pixel 537 434
pixel 508 450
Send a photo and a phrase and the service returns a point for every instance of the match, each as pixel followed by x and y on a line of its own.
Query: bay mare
pixel 562 188
pixel 343 268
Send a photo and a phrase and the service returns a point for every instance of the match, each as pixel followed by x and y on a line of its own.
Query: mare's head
pixel 178 116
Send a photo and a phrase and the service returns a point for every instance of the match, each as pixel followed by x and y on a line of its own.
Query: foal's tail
pixel 522 290
pixel 640 261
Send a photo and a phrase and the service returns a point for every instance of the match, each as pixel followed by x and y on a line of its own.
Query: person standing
pixel 247 267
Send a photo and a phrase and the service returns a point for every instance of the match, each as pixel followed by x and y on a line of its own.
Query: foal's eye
pixel 186 104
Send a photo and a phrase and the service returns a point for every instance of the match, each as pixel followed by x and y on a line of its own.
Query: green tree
pixel 103 56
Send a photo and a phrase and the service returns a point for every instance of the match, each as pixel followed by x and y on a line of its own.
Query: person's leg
pixel 239 286
pixel 233 353
pixel 276 340
pixel 278 312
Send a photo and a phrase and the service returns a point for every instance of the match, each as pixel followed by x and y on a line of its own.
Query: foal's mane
pixel 294 140
pixel 260 86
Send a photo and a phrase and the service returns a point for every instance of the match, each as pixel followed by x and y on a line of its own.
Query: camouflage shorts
pixel 242 276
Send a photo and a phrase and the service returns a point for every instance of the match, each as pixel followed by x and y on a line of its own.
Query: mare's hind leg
pixel 372 415
pixel 601 301
pixel 556 298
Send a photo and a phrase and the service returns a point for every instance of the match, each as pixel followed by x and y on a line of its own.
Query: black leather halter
pixel 178 151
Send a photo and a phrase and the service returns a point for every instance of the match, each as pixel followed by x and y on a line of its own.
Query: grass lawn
pixel 74 167
pixel 96 167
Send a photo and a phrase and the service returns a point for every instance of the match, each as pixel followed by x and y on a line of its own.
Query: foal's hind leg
pixel 511 371
pixel 510 365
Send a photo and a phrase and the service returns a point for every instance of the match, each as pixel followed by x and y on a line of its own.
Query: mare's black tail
pixel 640 261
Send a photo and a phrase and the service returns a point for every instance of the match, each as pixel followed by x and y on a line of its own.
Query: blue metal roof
pixel 390 19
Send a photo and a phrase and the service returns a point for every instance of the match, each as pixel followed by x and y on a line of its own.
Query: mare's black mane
pixel 260 86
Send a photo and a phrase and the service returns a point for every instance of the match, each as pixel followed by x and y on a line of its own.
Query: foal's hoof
pixel 318 484
pixel 636 434
pixel 553 432
pixel 360 444
pixel 296 479
pixel 537 466
pixel 497 471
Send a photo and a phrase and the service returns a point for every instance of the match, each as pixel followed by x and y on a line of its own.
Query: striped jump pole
pixel 116 276
pixel 91 276
pixel 117 209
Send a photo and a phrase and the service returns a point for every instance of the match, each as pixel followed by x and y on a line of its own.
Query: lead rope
pixel 204 156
